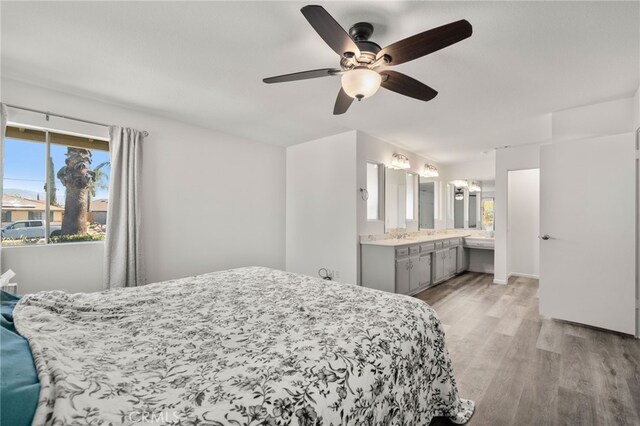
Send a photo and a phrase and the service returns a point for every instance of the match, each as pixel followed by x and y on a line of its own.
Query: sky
pixel 25 165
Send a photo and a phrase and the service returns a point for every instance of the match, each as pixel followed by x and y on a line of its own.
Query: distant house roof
pixel 14 202
pixel 99 205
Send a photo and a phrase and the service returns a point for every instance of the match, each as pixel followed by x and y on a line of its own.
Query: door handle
pixel 544 237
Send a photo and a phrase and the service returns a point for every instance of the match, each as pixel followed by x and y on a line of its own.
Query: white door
pixel 587 210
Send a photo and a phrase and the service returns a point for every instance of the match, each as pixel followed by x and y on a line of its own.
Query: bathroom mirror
pixel 427 207
pixel 466 196
pixel 399 198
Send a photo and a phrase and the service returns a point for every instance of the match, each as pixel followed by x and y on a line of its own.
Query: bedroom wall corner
pixel 321 222
pixel 210 201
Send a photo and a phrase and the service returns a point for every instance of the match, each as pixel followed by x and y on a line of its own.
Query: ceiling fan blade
pixel 426 42
pixel 343 102
pixel 330 31
pixel 405 85
pixel 303 75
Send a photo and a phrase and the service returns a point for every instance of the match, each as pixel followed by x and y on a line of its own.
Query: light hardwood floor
pixel 523 369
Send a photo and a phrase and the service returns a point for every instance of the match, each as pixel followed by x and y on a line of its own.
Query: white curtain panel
pixel 3 118
pixel 123 254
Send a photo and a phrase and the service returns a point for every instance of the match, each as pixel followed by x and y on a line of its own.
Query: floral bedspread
pixel 248 346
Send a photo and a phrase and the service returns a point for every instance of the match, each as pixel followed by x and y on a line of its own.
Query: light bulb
pixel 361 82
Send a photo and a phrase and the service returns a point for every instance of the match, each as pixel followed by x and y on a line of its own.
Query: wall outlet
pixel 336 274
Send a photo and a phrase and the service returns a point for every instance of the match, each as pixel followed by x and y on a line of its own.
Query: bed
pixel 247 346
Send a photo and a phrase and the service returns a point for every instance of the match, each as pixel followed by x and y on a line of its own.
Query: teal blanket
pixel 18 377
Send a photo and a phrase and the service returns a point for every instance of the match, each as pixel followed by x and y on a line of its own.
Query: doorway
pixel 523 223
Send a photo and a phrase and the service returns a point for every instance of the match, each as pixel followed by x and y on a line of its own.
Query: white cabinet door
pixel 402 275
pixel 439 257
pixel 422 270
pixel 414 272
pixel 587 221
pixel 452 266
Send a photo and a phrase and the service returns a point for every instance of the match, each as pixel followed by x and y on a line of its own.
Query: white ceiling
pixel 202 63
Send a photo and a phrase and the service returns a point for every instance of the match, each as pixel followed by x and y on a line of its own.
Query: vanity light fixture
pixel 429 171
pixel 459 183
pixel 399 161
pixel 474 186
pixel 459 194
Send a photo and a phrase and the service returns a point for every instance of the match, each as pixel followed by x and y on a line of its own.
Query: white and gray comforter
pixel 248 346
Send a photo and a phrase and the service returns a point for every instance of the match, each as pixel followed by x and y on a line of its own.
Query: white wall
pixel 210 201
pixel 72 267
pixel 636 109
pixel 589 121
pixel 482 169
pixel 321 226
pixel 523 222
pixel 514 158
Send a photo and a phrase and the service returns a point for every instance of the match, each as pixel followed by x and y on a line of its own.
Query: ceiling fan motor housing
pixel 360 34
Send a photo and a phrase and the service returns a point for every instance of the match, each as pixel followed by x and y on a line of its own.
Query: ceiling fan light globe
pixel 361 83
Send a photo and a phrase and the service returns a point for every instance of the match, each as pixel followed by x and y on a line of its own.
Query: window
pixel 487 214
pixel 57 177
pixel 411 194
pixel 374 187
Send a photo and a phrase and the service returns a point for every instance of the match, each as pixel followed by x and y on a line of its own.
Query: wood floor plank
pixel 500 400
pixel 575 373
pixel 575 408
pixel 550 338
pixel 511 320
pixel 523 369
pixel 502 306
pixel 539 400
pixel 474 380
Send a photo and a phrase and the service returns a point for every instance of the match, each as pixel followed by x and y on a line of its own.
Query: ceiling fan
pixel 361 60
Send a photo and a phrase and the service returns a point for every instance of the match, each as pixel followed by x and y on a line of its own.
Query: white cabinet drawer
pixel 446 243
pixel 414 249
pixel 425 248
pixel 438 245
pixel 402 252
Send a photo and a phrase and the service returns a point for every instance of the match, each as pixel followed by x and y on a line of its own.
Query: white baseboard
pixel 523 275
pixel 503 282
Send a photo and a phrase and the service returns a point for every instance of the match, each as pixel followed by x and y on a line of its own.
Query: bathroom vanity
pixel 410 265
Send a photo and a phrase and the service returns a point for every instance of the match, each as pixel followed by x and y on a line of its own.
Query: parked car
pixel 28 229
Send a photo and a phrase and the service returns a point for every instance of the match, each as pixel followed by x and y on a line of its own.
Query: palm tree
pixel 77 177
pixel 100 181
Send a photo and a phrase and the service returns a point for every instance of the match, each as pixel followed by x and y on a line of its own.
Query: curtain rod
pixel 48 114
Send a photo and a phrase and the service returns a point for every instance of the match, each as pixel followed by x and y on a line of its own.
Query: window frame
pixel 30 133
pixel 411 177
pixel 381 194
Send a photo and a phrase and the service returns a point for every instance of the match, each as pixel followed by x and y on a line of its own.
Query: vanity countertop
pixel 398 242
